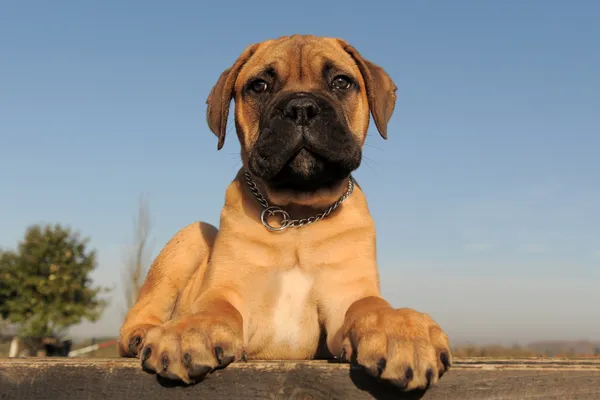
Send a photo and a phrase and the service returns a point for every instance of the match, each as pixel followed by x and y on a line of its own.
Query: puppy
pixel 292 272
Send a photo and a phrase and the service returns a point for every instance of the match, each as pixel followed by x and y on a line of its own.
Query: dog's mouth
pixel 302 161
pixel 307 171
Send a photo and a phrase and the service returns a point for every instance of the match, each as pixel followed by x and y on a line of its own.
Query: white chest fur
pixel 292 310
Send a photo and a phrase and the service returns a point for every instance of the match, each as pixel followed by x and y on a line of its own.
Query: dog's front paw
pixel 401 346
pixel 189 348
pixel 131 339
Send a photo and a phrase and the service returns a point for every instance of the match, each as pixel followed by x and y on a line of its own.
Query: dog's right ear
pixel 221 94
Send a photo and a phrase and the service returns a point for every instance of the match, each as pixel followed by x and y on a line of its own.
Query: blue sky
pixel 485 196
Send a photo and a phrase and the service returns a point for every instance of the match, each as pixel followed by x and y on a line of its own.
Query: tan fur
pixel 211 297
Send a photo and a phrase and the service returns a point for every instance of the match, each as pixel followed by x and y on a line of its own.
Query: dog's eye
pixel 259 86
pixel 341 82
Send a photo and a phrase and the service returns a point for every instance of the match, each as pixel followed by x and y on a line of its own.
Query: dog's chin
pixel 308 179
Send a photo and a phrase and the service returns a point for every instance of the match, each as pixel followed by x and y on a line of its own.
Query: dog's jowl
pixel 292 267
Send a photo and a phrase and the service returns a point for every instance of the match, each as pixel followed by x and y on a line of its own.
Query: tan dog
pixel 310 290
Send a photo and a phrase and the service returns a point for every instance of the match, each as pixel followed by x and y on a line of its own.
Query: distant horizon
pixel 454 341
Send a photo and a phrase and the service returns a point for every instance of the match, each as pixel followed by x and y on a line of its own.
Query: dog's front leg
pixel 184 257
pixel 402 346
pixel 189 347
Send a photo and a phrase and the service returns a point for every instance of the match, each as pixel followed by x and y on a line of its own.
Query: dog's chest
pixel 292 303
pixel 286 325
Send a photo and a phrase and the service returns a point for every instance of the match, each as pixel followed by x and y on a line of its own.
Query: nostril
pixel 290 111
pixel 312 111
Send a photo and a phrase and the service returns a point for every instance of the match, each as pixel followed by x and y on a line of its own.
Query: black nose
pixel 301 109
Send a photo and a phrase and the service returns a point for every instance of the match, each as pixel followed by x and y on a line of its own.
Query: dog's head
pixel 302 109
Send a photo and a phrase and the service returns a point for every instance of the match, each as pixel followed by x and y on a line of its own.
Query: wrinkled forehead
pixel 299 59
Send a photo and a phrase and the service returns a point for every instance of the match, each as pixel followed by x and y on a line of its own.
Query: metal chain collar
pixel 286 221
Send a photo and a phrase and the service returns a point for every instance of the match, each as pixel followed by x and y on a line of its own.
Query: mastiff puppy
pixel 292 272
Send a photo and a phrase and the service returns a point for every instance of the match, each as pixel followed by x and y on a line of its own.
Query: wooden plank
pixel 476 379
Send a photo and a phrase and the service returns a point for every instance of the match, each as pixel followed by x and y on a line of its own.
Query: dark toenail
pixel 198 371
pixel 226 361
pixel 134 343
pixel 219 354
pixel 146 354
pixel 187 360
pixel 445 359
pixel 244 356
pixel 409 374
pixel 381 366
pixel 221 359
pixel 145 364
pixel 165 362
pixel 429 376
pixel 343 355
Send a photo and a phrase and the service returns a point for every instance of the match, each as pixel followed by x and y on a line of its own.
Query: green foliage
pixel 45 284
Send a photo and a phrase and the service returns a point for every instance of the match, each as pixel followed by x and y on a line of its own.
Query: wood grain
pixel 476 379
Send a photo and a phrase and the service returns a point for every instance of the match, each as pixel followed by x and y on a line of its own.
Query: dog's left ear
pixel 381 90
pixel 221 94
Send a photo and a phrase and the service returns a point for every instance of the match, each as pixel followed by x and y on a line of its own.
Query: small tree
pixel 45 285
pixel 136 259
